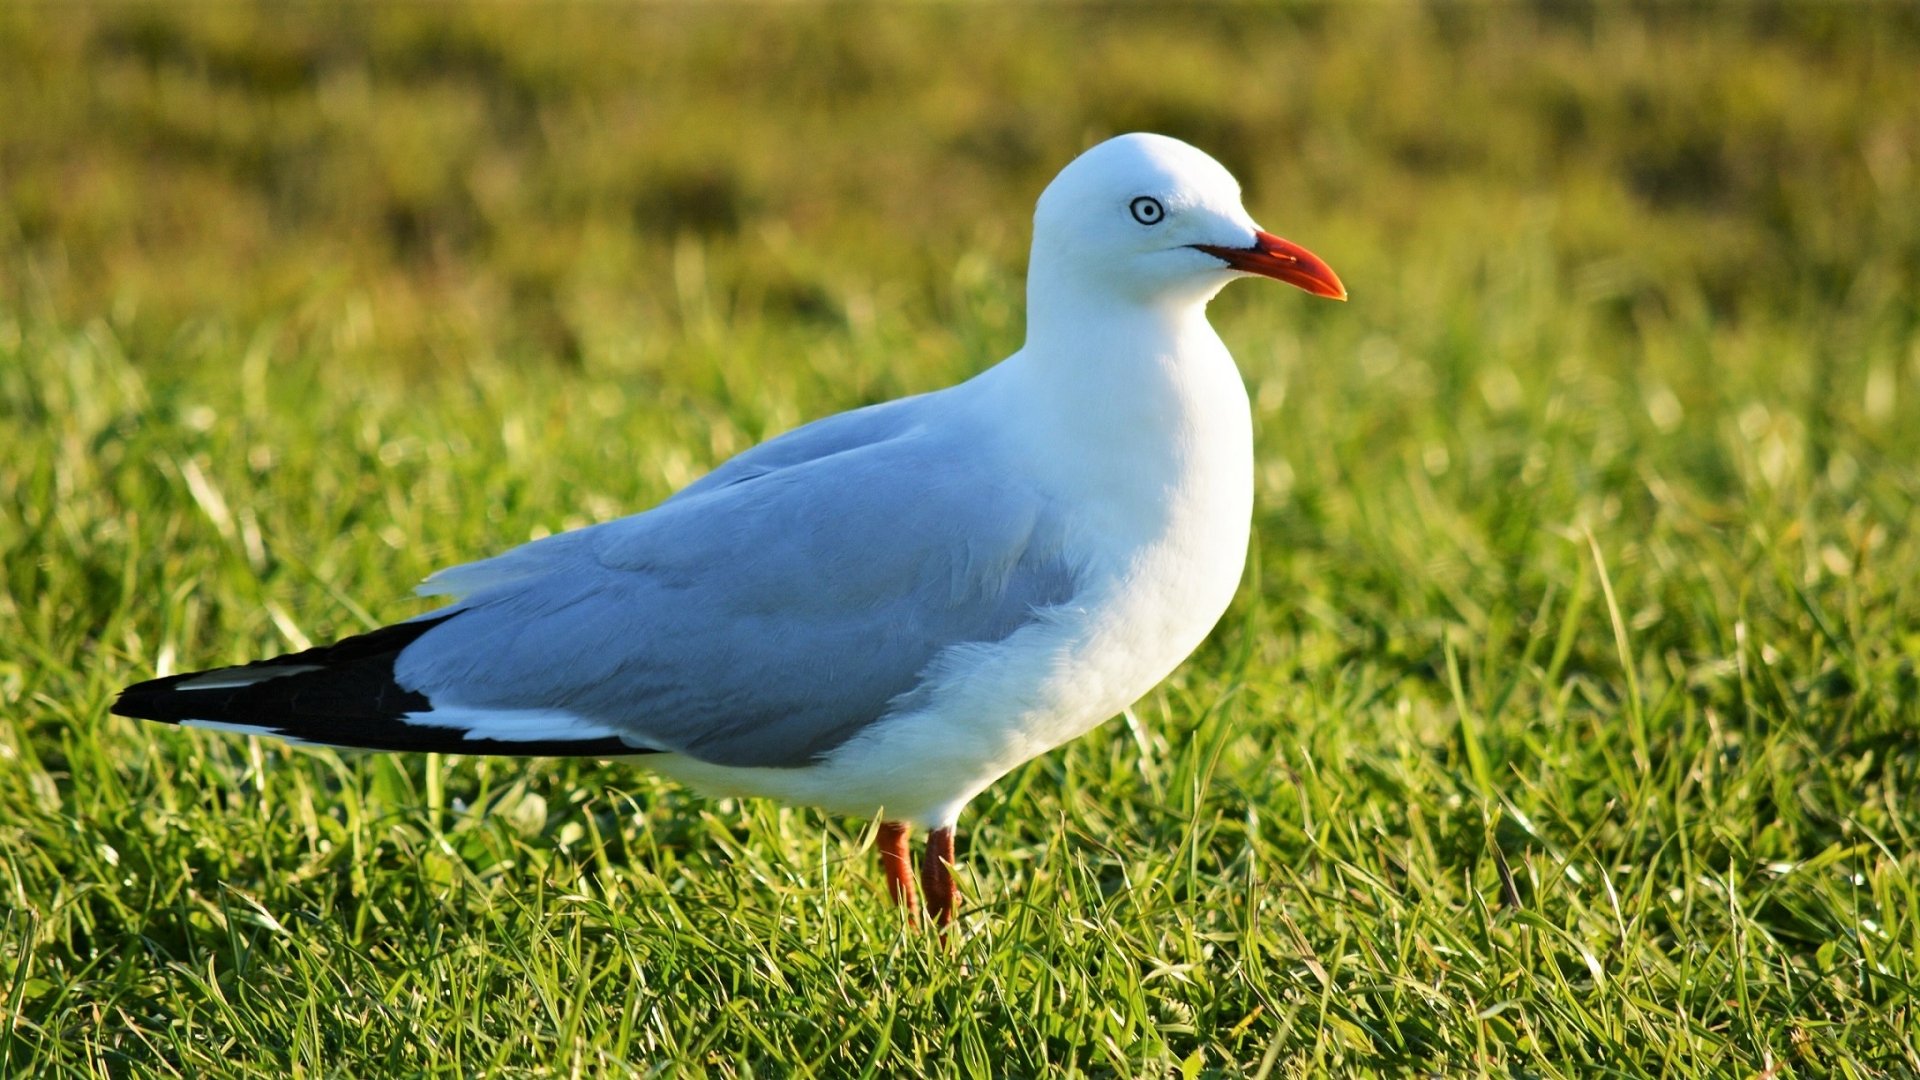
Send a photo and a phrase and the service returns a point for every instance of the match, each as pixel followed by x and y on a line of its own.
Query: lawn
pixel 1567 722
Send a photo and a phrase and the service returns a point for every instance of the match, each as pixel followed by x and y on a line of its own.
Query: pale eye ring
pixel 1147 210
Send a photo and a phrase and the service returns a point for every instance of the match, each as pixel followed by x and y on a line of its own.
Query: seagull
pixel 884 611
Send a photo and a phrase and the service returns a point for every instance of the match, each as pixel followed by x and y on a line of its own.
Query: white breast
pixel 1161 481
pixel 1150 464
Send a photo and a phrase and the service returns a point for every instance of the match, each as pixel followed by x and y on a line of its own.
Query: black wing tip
pixel 154 699
pixel 134 710
pixel 352 675
pixel 349 699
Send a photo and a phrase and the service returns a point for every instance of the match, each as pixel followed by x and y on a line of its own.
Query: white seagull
pixel 884 611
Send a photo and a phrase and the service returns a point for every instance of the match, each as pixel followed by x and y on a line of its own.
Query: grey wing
pixel 758 623
pixel 824 437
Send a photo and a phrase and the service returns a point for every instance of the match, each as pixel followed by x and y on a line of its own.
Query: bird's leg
pixel 895 864
pixel 936 877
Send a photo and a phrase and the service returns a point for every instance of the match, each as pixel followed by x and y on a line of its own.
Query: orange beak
pixel 1281 260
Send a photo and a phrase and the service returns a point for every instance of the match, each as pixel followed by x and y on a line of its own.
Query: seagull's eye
pixel 1147 210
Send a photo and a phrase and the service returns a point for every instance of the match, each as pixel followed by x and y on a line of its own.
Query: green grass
pixel 1568 722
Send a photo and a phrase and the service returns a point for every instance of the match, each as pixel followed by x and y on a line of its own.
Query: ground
pixel 1566 721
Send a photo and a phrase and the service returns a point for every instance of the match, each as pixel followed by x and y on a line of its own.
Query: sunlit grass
pixel 1566 722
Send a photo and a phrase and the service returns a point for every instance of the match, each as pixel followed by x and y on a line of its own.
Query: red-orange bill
pixel 1282 260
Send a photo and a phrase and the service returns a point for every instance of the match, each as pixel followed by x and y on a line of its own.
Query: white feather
pixel 245 729
pixel 234 678
pixel 517 725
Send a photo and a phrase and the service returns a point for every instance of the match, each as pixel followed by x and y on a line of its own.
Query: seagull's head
pixel 1149 219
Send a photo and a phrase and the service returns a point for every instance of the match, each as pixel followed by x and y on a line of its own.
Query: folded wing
pixel 761 617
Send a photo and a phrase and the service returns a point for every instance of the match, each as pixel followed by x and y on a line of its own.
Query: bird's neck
pixel 1120 366
pixel 1134 404
pixel 1064 306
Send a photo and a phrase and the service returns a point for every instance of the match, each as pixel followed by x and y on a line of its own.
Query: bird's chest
pixel 1151 487
pixel 1160 594
pixel 1160 532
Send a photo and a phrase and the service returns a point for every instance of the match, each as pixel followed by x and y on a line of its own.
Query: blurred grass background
pixel 520 179
pixel 1567 720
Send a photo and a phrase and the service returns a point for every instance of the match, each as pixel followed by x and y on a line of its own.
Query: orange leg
pixel 936 878
pixel 894 863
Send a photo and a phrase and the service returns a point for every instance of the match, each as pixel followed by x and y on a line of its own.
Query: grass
pixel 1565 725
